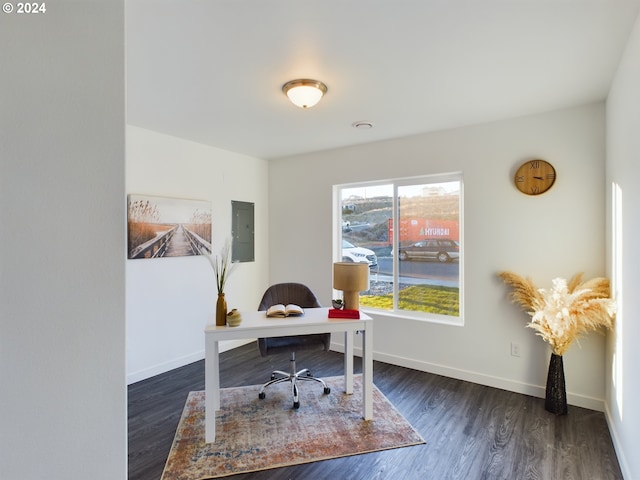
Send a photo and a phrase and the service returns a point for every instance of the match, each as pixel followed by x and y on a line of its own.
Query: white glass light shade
pixel 304 93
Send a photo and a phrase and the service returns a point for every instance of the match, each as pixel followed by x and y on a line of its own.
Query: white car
pixel 351 253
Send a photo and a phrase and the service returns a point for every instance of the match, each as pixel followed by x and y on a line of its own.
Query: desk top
pixel 313 318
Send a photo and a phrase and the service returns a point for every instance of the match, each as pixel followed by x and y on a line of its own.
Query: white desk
pixel 315 320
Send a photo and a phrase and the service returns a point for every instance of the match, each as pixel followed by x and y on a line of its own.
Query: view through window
pixel 408 231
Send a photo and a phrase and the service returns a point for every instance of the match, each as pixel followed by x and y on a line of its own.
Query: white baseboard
pixel 468 376
pixel 591 403
pixel 180 362
pixel 617 444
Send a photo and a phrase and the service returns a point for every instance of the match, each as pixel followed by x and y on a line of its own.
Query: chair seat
pixel 275 345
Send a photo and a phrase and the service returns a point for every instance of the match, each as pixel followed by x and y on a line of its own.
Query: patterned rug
pixel 253 434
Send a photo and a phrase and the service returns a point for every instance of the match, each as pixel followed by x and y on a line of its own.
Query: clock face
pixel 535 177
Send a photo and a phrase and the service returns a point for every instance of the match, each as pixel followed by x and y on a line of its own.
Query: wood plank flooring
pixel 472 431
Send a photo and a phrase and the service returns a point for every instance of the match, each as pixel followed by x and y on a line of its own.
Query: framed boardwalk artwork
pixel 167 227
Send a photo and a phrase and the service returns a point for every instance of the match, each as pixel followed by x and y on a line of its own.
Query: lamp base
pixel 352 300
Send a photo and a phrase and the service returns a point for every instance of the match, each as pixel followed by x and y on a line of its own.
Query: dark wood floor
pixel 472 431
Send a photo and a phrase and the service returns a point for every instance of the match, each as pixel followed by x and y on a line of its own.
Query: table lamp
pixel 352 278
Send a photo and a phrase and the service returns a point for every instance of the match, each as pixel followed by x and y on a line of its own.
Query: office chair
pixel 301 295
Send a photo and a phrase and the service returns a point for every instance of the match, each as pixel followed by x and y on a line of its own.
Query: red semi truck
pixel 416 229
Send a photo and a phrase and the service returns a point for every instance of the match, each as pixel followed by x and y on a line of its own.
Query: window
pixel 409 232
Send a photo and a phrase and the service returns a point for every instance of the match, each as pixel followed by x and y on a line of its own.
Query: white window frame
pixel 400 182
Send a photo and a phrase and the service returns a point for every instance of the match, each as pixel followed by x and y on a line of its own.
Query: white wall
pixel 169 300
pixel 63 409
pixel 623 168
pixel 556 234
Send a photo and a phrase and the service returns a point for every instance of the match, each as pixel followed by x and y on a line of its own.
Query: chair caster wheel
pixel 327 390
pixel 261 395
pixel 296 405
pixel 309 374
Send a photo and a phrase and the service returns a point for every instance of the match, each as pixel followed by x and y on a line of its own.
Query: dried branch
pixel 524 292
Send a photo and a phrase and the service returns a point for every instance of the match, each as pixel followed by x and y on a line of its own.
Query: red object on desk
pixel 344 313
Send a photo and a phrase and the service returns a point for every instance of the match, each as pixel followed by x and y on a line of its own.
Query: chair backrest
pixel 302 296
pixel 285 293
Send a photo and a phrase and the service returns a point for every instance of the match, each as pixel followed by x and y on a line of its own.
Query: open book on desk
pixel 280 310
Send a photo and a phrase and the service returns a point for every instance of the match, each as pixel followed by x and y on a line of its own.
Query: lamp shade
pixel 304 93
pixel 351 278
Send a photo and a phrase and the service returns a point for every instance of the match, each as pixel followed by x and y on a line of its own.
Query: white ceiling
pixel 211 71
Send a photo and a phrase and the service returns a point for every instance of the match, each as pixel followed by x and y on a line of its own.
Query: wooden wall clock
pixel 535 177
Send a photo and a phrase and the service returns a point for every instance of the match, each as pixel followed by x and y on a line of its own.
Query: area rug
pixel 254 434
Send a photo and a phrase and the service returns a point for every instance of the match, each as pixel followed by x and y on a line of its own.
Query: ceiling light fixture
pixel 304 93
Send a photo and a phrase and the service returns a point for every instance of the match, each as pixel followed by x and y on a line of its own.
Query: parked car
pixel 351 253
pixel 441 249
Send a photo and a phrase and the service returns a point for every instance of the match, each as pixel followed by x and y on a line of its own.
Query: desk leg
pixel 348 362
pixel 367 372
pixel 211 387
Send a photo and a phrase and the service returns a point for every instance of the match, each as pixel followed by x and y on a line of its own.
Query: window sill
pixel 419 317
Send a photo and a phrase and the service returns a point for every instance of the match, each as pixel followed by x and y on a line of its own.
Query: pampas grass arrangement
pixel 222 265
pixel 567 310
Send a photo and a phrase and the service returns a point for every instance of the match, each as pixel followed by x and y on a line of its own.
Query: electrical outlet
pixel 515 349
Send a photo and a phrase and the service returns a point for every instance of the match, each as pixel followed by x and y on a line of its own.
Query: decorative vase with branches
pixel 222 265
pixel 560 315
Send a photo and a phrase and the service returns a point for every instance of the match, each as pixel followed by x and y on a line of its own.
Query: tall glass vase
pixel 556 394
pixel 221 311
